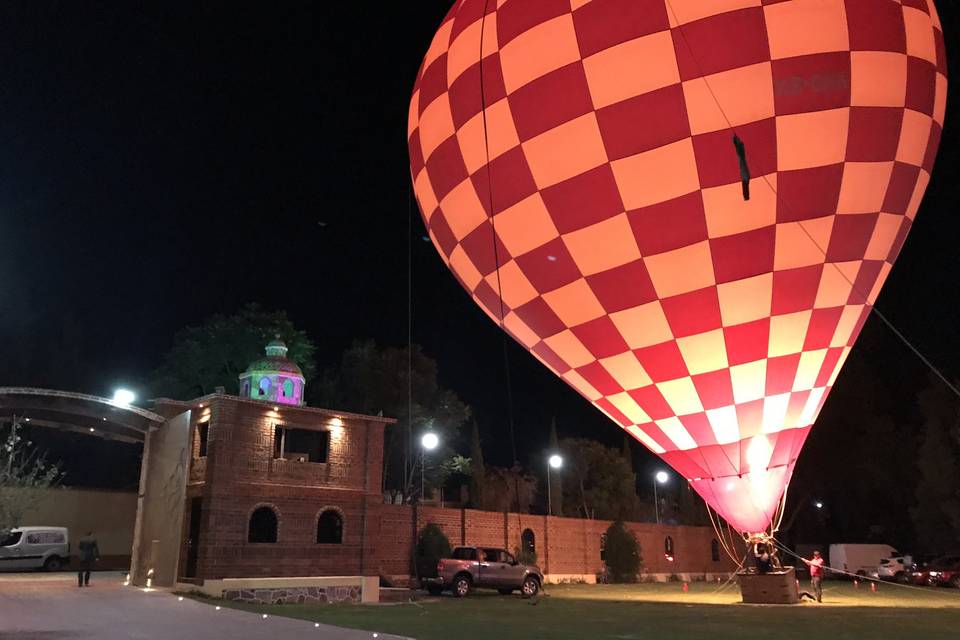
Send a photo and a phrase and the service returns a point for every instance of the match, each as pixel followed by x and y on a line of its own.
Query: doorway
pixel 193 538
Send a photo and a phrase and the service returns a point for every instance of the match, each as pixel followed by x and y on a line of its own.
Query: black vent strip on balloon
pixel 744 169
pixel 803 228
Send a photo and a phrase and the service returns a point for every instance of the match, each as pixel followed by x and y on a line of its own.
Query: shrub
pixel 525 555
pixel 432 544
pixel 622 553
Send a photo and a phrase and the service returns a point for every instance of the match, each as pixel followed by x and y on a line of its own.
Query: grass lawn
pixel 653 611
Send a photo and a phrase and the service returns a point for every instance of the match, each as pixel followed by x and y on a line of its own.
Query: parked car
pixel 471 567
pixel 895 568
pixel 860 559
pixel 919 572
pixel 944 572
pixel 45 548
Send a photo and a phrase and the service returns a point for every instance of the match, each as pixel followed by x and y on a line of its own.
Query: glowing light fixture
pixel 123 397
pixel 555 461
pixel 818 505
pixel 660 477
pixel 429 441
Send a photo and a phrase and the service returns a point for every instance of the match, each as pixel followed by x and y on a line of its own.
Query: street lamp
pixel 123 397
pixel 428 442
pixel 660 477
pixel 553 462
pixel 818 504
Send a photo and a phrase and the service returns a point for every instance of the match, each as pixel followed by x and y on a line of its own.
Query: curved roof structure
pixel 78 412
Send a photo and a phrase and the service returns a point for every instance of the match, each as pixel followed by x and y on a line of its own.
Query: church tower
pixel 274 378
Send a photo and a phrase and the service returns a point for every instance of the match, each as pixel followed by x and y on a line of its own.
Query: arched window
pixel 330 527
pixel 288 388
pixel 668 547
pixel 263 525
pixel 715 550
pixel 264 386
pixel 528 541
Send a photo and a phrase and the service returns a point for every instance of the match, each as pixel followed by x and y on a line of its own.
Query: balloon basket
pixel 776 587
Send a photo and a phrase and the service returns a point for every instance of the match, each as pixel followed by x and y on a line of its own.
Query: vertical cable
pixel 406 461
pixel 496 251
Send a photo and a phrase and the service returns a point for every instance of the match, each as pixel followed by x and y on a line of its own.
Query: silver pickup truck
pixel 469 567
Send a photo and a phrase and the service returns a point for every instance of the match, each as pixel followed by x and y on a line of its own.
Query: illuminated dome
pixel 273 378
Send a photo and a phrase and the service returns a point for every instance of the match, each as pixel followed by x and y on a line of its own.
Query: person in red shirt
pixel 816 574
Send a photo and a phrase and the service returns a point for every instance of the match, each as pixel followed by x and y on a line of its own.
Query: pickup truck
pixel 469 567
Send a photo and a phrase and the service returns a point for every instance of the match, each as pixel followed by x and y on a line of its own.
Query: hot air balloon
pixel 684 209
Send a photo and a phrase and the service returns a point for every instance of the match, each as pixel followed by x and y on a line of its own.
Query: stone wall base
pixel 294 595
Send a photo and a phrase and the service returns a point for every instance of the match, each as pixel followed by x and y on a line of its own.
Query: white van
pixel 860 559
pixel 46 548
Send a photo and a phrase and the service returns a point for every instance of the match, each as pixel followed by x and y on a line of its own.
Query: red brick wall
pixel 239 474
pixel 564 546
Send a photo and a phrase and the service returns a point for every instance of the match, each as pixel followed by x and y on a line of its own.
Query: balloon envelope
pixel 576 167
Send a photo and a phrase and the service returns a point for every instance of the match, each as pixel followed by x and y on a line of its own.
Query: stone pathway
pixel 38 606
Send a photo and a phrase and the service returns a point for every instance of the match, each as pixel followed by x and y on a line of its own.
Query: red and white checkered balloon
pixel 576 165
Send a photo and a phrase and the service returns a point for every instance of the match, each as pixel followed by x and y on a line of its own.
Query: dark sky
pixel 164 161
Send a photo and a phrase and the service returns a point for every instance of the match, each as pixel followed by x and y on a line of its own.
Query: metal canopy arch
pixel 79 413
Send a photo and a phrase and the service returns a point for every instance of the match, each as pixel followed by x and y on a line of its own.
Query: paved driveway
pixel 39 606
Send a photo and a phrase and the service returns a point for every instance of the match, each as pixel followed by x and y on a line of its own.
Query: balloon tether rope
pixel 496 251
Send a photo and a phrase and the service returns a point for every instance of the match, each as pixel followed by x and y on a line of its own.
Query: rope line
pixel 493 237
pixel 950 594
pixel 926 361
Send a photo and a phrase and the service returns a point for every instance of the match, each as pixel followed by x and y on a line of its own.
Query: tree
pixel 375 380
pixel 432 545
pixel 478 471
pixel 599 483
pixel 621 553
pixel 556 479
pixel 215 353
pixel 509 489
pixel 936 515
pixel 23 471
pixel 627 453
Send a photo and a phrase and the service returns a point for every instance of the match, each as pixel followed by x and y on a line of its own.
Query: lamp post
pixel 660 477
pixel 428 442
pixel 553 462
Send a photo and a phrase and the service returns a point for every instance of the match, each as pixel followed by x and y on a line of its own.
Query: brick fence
pixel 566 548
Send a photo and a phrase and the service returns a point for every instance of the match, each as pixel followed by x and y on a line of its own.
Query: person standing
pixel 816 574
pixel 89 553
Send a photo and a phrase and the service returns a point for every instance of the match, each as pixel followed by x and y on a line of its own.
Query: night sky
pixel 161 162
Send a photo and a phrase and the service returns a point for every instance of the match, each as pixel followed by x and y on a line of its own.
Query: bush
pixel 432 544
pixel 621 553
pixel 525 555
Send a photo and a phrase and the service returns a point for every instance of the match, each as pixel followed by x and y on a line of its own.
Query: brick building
pixel 272 487
pixel 259 486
